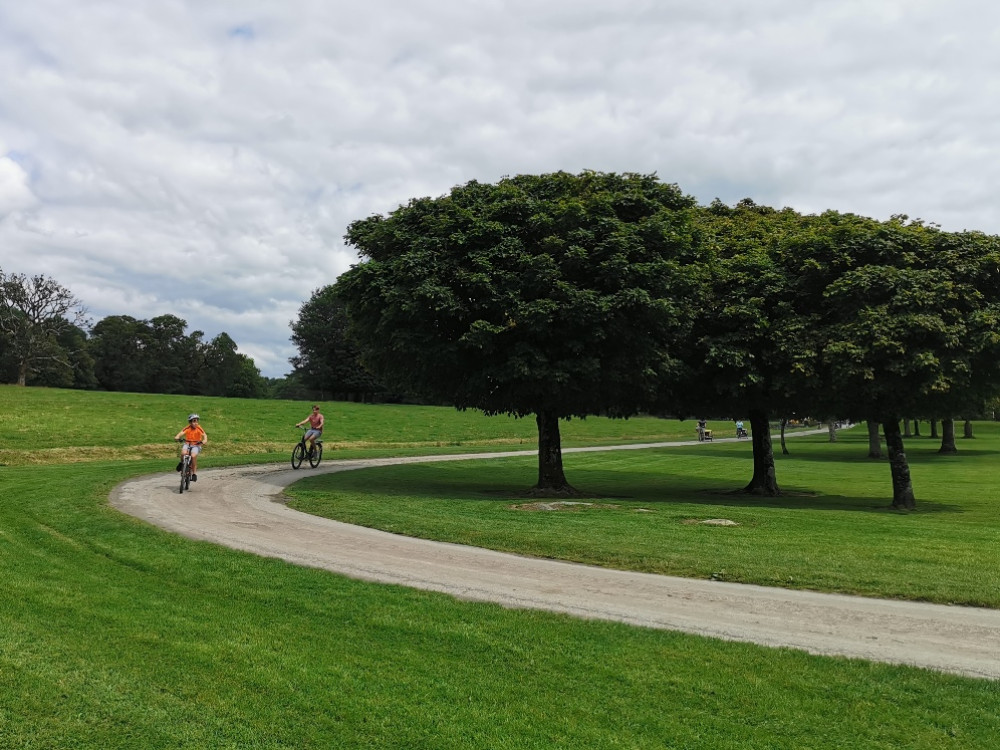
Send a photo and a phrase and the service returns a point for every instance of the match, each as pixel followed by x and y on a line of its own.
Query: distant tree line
pixel 329 363
pixel 45 341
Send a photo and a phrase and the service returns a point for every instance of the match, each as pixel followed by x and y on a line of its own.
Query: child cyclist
pixel 193 437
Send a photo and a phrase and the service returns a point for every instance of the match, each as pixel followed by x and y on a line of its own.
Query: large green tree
pixel 73 369
pixel 328 361
pixel 749 353
pixel 559 296
pixel 908 323
pixel 247 382
pixel 226 372
pixel 172 362
pixel 118 344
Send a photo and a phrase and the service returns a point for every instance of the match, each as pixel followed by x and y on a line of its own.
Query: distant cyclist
pixel 193 437
pixel 315 430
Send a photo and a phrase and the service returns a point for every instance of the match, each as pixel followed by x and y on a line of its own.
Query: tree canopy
pixel 907 324
pixel 157 356
pixel 328 360
pixel 556 295
pixel 567 295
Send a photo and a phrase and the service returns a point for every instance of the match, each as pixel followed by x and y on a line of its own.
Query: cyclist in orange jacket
pixel 194 437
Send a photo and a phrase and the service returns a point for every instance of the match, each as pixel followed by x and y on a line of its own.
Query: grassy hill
pixel 114 634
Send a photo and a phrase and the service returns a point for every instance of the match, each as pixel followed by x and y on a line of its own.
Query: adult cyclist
pixel 315 430
pixel 193 437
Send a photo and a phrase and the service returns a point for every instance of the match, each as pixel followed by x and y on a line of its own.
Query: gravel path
pixel 243 508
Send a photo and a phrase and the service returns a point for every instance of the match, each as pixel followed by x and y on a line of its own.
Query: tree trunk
pixel 874 441
pixel 902 486
pixel 948 437
pixel 967 430
pixel 551 479
pixel 916 428
pixel 784 448
pixel 934 432
pixel 22 372
pixel 831 427
pixel 906 428
pixel 764 481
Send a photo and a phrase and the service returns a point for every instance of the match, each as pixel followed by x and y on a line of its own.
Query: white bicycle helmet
pixel 193 416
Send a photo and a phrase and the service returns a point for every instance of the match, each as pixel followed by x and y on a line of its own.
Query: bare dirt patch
pixel 561 505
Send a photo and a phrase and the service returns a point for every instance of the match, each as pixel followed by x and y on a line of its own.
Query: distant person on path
pixel 702 424
pixel 193 437
pixel 315 430
pixel 740 431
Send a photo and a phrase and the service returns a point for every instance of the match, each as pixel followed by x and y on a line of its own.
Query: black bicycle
pixel 186 468
pixel 302 451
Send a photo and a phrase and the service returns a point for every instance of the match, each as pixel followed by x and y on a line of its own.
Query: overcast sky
pixel 203 158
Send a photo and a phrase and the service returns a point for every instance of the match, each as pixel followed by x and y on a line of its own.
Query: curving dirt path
pixel 243 508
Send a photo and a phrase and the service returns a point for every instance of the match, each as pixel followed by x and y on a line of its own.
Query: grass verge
pixel 114 634
pixel 832 530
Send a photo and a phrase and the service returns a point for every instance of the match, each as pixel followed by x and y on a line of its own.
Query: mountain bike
pixel 186 469
pixel 301 452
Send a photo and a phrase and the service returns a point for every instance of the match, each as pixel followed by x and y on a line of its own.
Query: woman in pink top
pixel 315 430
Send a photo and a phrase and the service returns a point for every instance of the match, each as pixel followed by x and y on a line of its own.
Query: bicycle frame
pixel 186 459
pixel 301 451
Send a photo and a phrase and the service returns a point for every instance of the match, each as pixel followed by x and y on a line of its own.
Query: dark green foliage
pixel 905 321
pixel 905 325
pixel 157 356
pixel 557 295
pixel 328 362
pixel 749 347
pixel 73 365
pixel 117 344
pixel 567 295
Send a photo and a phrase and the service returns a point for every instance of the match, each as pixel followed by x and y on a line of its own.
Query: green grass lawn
pixel 832 529
pixel 114 634
pixel 42 425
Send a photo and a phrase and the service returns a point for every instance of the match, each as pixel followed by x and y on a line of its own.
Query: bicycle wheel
pixel 298 454
pixel 184 476
pixel 316 455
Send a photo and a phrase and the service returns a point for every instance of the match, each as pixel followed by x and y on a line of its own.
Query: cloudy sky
pixel 203 158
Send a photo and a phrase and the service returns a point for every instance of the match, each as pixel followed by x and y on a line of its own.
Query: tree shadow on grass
pixel 854 447
pixel 732 496
pixel 790 499
pixel 914 456
pixel 685 488
pixel 797 499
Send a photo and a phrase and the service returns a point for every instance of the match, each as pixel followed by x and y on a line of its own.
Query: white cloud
pixel 205 159
pixel 15 193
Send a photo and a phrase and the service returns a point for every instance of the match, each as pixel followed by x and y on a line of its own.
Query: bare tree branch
pixel 34 311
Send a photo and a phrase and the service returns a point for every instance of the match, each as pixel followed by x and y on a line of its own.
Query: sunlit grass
pixel 114 634
pixel 48 425
pixel 832 530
